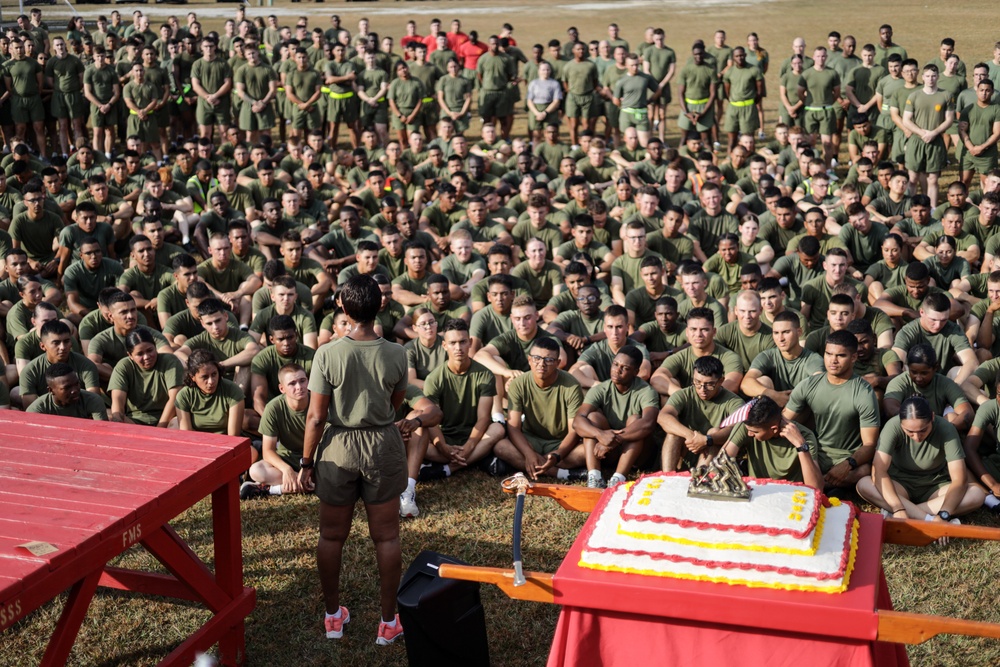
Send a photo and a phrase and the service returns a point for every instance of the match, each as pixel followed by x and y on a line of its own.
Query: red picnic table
pixel 92 490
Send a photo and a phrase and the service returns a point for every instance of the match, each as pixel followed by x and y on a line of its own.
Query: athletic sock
pixel 411 485
pixel 275 489
pixel 991 501
pixel 929 517
pixel 390 624
pixel 337 615
pixel 562 473
pixel 447 470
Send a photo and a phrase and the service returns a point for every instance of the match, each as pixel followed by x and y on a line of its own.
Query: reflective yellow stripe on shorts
pixel 744 103
pixel 818 108
pixel 341 96
pixel 704 101
pixel 427 100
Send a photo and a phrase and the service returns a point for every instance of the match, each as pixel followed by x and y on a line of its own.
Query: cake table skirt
pixel 585 638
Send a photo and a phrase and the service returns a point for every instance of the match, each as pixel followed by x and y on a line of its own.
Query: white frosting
pixel 741 525
pixel 823 571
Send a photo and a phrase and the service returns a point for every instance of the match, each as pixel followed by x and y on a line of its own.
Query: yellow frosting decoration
pixel 839 587
pixel 811 551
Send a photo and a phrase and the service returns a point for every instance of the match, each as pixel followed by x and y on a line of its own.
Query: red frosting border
pixel 734 566
pixel 704 525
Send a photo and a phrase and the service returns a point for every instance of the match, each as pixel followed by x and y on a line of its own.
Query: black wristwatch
pixel 803 449
pixel 306 463
pixel 851 462
pixel 709 442
pixel 945 515
pixel 556 455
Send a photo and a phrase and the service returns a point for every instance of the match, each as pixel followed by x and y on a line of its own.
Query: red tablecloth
pixel 611 618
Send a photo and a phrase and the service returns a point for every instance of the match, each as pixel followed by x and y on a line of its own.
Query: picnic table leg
pixel 229 564
pixel 64 636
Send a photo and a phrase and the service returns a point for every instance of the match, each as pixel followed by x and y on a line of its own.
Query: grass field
pixel 469 517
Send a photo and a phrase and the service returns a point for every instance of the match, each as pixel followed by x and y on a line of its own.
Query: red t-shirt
pixel 469 53
pixel 411 38
pixel 431 41
pixel 456 39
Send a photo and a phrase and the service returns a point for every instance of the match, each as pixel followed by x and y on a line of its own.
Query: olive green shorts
pixel 637 118
pixel 704 124
pixel 306 120
pixel 109 119
pixel 579 106
pixel 461 123
pixel 250 121
pixel 920 488
pixel 206 114
pixel 343 109
pixel 925 158
pixel 541 445
pixel 398 124
pixel 820 121
pixel 550 119
pixel 611 112
pixel 366 463
pixel 24 110
pixel 492 103
pixel 430 113
pixel 147 130
pixel 741 119
pixel 371 116
pixel 69 105
pixel 982 163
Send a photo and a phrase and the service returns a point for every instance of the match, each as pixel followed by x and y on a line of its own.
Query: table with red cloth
pixel 92 490
pixel 614 619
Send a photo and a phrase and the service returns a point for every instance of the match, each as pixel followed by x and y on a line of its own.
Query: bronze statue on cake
pixel 721 479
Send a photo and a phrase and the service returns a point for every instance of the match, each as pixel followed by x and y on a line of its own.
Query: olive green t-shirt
pixel 929 110
pixel 786 374
pixel 147 285
pixel 547 412
pixel 211 74
pixel 699 415
pixel 946 343
pixel 35 236
pixel 101 81
pixel 942 392
pixel 147 392
pixel 742 82
pixel 210 412
pixel 87 283
pixel 747 347
pixel 617 406
pixel 226 280
pixel 458 395
pixel 599 357
pixel 287 425
pixel 839 412
pixel 235 342
pixel 681 365
pixel 696 80
pixel 90 406
pixel 268 362
pixel 111 346
pixel 917 464
pixel 305 321
pixel 425 359
pixel 775 458
pixel 406 94
pixel 513 350
pixel 32 380
pixel 820 85
pixel 360 377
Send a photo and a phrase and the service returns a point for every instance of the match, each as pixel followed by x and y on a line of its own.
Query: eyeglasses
pixel 636 238
pixel 705 385
pixel 34 200
pixel 587 299
pixel 545 361
pixel 426 325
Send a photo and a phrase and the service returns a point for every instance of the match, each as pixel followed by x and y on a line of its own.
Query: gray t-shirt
pixel 544 91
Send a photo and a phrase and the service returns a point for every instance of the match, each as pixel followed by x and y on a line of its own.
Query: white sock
pixel 391 623
pixel 275 489
pixel 991 501
pixel 562 473
pixel 411 485
pixel 447 470
pixel 594 473
pixel 929 517
pixel 337 615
